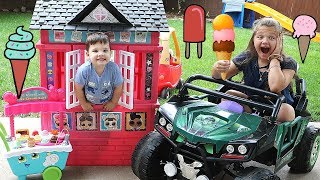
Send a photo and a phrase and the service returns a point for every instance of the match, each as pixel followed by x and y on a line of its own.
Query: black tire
pixel 306 152
pixel 155 151
pixel 254 173
pixel 165 93
pixel 138 153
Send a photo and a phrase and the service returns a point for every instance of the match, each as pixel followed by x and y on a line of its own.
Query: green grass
pixel 309 70
pixel 9 23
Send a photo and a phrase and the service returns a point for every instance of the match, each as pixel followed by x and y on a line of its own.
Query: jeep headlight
pixel 169 127
pixel 230 148
pixel 242 149
pixel 162 121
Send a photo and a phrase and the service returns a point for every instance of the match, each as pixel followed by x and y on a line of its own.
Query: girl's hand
pixel 279 46
pixel 222 66
pixel 87 106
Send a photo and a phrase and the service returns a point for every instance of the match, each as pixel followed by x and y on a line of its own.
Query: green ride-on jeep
pixel 198 139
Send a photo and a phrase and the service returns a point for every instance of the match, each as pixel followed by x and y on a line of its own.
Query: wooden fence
pixel 293 8
pixel 290 8
pixel 17 4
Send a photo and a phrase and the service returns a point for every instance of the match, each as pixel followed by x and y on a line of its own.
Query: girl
pixel 264 65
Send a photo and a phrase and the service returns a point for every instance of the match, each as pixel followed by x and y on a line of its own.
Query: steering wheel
pixel 260 99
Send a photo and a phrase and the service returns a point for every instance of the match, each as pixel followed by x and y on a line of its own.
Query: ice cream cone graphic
pixel 19 71
pixel 19 50
pixel 223 55
pixel 223 38
pixel 304 29
pixel 303 43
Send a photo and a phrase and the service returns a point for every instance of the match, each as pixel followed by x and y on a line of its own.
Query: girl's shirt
pixel 99 89
pixel 254 78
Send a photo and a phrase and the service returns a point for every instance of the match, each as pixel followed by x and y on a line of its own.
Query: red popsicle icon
pixel 194 28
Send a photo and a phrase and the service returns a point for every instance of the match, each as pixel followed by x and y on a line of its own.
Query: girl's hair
pixel 266 21
pixel 94 38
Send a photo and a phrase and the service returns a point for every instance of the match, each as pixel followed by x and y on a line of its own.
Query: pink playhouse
pixel 97 137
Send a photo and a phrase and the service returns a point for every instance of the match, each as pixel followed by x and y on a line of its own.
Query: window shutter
pixel 126 65
pixel 73 62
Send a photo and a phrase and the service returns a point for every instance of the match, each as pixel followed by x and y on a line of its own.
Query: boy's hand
pixel 108 106
pixel 87 106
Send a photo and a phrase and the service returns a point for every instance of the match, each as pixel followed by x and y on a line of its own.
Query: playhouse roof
pixel 112 15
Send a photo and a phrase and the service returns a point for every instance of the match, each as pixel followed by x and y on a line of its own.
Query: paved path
pixel 119 173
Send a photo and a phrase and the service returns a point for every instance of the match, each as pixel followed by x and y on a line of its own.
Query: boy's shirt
pixel 99 89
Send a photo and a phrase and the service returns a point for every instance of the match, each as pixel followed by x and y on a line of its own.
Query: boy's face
pixel 99 54
pixel 265 41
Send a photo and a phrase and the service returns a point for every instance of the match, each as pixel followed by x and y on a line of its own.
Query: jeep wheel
pixel 149 152
pixel 180 84
pixel 254 173
pixel 137 154
pixel 165 93
pixel 306 152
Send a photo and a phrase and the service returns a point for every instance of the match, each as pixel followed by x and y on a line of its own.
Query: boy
pixel 98 81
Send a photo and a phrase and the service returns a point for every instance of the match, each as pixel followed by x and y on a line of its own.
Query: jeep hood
pixel 205 122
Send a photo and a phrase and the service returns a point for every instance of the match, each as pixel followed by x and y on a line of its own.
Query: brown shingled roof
pixel 133 15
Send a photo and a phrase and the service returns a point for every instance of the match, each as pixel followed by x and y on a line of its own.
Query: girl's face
pixel 265 41
pixel 99 54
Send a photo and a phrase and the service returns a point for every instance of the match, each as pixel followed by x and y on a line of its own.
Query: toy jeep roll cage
pixel 272 104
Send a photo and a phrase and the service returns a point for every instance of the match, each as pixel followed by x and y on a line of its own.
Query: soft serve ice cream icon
pixel 304 29
pixel 19 50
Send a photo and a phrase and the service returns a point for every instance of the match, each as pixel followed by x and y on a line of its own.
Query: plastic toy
pixel 33 158
pixel 170 68
pixel 133 29
pixel 242 12
pixel 197 139
pixel 281 18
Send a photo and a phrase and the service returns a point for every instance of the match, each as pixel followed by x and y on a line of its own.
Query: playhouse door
pixel 73 62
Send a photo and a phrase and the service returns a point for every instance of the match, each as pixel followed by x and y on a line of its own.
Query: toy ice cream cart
pixel 45 158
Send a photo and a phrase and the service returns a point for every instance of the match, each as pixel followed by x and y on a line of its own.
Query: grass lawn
pixel 309 70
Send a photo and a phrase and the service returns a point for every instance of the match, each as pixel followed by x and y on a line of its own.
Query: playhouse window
pixel 126 65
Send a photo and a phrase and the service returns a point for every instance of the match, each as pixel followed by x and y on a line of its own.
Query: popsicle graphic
pixel 19 50
pixel 304 29
pixel 223 38
pixel 194 28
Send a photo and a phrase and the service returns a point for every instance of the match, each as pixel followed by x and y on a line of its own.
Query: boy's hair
pixel 266 21
pixel 94 38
